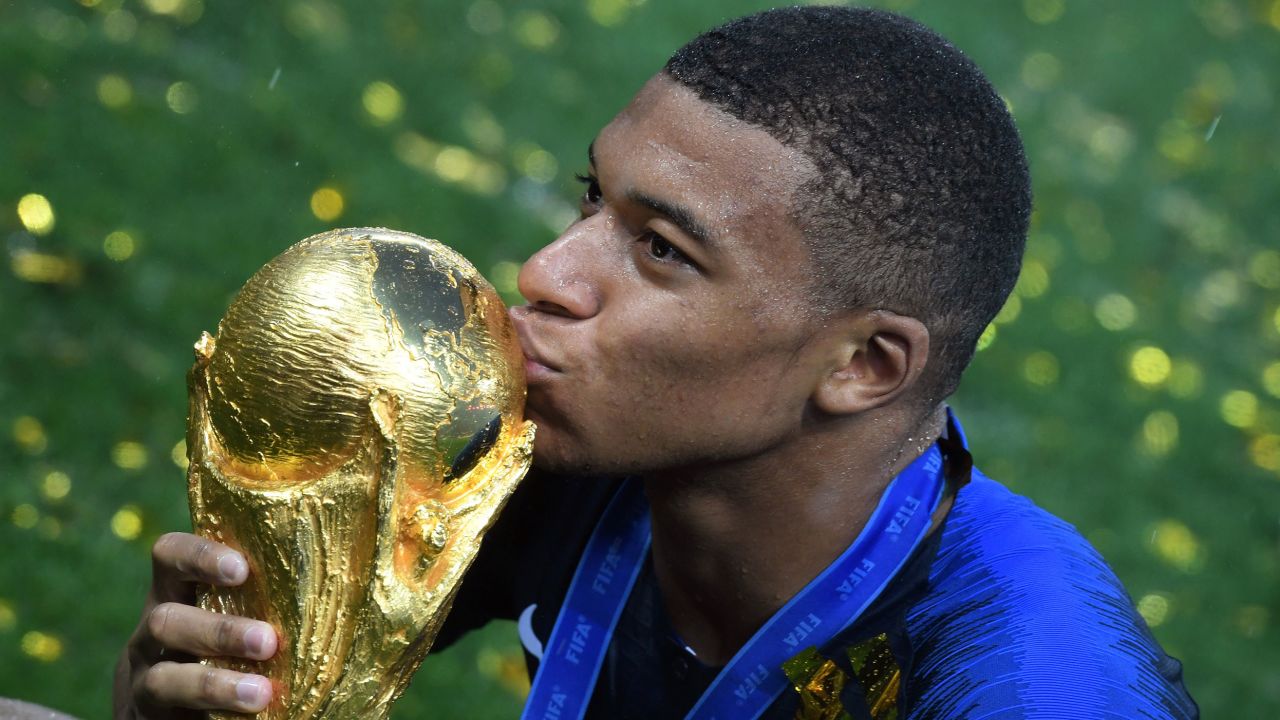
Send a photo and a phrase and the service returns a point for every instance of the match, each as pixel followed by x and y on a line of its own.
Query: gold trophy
pixel 354 429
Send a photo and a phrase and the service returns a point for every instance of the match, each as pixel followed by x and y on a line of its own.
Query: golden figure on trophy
pixel 354 428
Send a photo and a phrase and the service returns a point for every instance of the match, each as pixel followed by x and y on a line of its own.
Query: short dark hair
pixel 923 196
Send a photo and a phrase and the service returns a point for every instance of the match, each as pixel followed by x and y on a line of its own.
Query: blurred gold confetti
pixel 1205 228
pixel 1264 269
pixel 44 268
pixel 1217 82
pixel 1043 12
pixel 8 618
pixel 487 179
pixel 114 91
pixel 1271 379
pixel 126 524
pixel 416 151
pixel 29 433
pixel 536 30
pixel 1110 142
pixel 181 97
pixel 184 11
pixel 609 13
pixel 42 646
pixel 483 129
pixel 36 213
pixel 1239 408
pixel 317 19
pixel 1219 290
pixel 987 337
pixel 1092 240
pixel 1174 543
pixel 1071 314
pixel 1034 280
pixel 119 26
pixel 1186 380
pixel 504 276
pixel 129 455
pixel 1273 16
pixel 450 163
pixel 327 204
pixel 1268 419
pixel 1154 608
pixel 1159 433
pixel 485 17
pixel 455 163
pixel 493 69
pixel 25 516
pixel 162 7
pixel 1040 368
pixel 118 245
pixel 535 163
pixel 1251 620
pixel 1178 142
pixel 1150 366
pixel 1264 450
pixel 1221 18
pixel 1115 312
pixel 49 528
pixel 1044 247
pixel 508 669
pixel 382 102
pixel 1009 313
pixel 178 454
pixel 55 485
pixel 1040 70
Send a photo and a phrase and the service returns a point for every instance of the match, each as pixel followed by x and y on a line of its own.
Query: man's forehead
pixel 672 126
pixel 673 132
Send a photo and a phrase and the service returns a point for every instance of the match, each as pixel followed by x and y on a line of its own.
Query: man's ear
pixel 881 356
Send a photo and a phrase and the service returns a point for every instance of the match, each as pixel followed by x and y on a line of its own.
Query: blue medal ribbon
pixel 599 591
pixel 753 678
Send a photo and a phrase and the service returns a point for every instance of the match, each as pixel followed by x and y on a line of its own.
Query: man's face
pixel 670 326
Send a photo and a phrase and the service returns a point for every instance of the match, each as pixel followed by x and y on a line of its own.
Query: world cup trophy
pixel 354 429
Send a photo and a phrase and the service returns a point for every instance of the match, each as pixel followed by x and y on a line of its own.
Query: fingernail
pixel 233 567
pixel 255 640
pixel 253 692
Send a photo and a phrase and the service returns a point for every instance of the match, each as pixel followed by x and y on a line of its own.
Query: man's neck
pixel 732 544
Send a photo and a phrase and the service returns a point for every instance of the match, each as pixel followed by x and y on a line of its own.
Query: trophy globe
pixel 355 426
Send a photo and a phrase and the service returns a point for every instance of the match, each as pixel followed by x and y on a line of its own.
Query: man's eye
pixel 660 249
pixel 592 194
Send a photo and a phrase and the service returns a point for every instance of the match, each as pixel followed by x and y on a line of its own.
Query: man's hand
pixel 158 674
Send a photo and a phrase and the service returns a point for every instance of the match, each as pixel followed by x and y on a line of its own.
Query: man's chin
pixel 548 461
pixel 555 461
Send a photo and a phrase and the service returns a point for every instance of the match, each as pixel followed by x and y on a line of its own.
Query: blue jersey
pixel 1022 618
pixel 1004 612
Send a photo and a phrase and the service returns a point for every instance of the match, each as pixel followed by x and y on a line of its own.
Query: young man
pixel 790 241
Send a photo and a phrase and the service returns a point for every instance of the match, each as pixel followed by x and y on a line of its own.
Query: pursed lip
pixel 536 365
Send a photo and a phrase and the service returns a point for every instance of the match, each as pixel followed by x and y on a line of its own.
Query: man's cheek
pixel 661 356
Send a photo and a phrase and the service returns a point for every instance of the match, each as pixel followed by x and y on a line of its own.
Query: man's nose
pixel 557 279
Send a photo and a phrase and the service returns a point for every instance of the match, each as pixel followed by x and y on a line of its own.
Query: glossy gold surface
pixel 354 428
pixel 821 682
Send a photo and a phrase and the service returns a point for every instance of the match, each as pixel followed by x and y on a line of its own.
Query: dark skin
pixel 669 333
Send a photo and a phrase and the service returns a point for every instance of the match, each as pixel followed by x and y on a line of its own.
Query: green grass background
pixel 1131 387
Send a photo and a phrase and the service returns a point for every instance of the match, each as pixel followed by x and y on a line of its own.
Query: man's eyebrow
pixel 682 216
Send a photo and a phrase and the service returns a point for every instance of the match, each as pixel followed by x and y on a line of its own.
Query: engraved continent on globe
pixel 355 427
